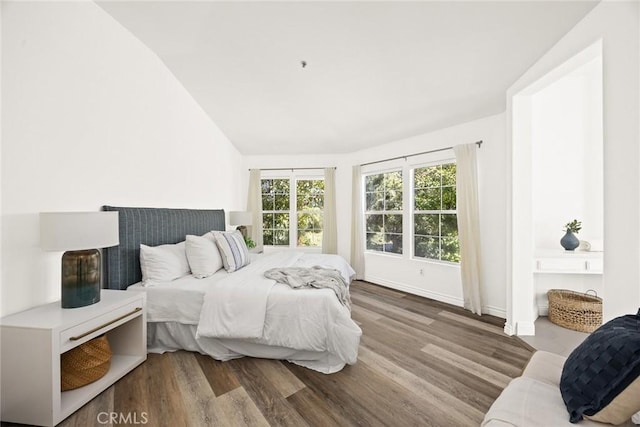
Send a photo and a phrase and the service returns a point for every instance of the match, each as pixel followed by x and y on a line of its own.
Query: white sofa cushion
pixel 527 402
pixel 545 367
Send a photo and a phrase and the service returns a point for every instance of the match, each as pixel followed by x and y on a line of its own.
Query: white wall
pixel 90 117
pixel 567 156
pixel 439 281
pixel 617 25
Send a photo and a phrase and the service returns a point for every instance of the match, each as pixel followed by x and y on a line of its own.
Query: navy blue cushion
pixel 601 367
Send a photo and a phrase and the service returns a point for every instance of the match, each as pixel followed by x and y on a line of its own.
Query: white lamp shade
pixel 239 218
pixel 72 231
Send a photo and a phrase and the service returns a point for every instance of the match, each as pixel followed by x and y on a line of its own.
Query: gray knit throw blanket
pixel 314 277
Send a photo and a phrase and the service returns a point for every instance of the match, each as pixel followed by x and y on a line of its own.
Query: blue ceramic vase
pixel 569 241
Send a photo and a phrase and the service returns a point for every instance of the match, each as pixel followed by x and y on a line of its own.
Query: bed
pixel 237 314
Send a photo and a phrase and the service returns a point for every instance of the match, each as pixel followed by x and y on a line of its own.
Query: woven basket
pixel 85 364
pixel 575 310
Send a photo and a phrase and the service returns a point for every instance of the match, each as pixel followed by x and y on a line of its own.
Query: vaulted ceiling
pixel 375 71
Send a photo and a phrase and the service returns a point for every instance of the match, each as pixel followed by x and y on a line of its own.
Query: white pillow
pixel 163 263
pixel 203 255
pixel 233 249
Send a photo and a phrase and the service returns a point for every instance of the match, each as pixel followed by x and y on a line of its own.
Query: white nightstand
pixel 33 340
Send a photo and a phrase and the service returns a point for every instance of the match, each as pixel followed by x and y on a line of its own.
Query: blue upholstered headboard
pixel 152 227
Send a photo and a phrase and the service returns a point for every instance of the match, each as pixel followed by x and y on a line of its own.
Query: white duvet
pixel 246 305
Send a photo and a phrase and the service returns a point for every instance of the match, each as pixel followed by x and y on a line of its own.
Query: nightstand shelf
pixel 33 340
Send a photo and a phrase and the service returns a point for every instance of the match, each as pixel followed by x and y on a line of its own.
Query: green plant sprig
pixel 249 242
pixel 574 226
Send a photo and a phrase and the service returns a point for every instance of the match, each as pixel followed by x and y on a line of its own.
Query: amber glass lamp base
pixel 80 278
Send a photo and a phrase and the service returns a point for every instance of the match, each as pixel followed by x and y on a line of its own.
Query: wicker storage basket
pixel 85 364
pixel 575 310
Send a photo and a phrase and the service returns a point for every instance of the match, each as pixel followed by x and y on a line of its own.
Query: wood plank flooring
pixel 420 363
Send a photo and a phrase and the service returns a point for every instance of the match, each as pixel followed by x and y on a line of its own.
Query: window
pixel 309 206
pixel 276 201
pixel 383 212
pixel 435 216
pixel 292 211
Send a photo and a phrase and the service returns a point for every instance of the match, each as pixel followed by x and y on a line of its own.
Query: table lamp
pixel 79 234
pixel 241 219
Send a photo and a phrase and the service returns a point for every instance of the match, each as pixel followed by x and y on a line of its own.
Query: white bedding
pixel 243 310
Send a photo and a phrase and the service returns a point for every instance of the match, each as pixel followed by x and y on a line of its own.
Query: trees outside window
pixel 435 216
pixel 309 207
pixel 383 212
pixel 292 211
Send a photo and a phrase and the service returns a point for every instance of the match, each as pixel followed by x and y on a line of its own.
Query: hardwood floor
pixel 420 363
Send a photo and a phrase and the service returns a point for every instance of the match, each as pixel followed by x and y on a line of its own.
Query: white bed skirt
pixel 173 336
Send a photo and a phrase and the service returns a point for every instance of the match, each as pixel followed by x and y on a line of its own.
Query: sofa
pixel 534 398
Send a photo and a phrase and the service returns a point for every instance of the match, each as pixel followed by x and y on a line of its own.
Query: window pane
pixel 267 220
pixel 311 221
pixel 281 186
pixel 426 224
pixel 281 202
pixel 267 202
pixel 393 200
pixel 393 243
pixel 448 198
pixel 309 238
pixel 449 174
pixel 449 225
pixel 375 241
pixel 392 223
pixel 393 181
pixel 267 185
pixel 427 177
pixel 374 223
pixel 267 237
pixel 427 247
pixel 450 249
pixel 375 201
pixel 428 199
pixel 281 237
pixel 281 221
pixel 374 182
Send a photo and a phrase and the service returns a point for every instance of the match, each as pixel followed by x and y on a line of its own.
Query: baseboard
pixel 543 310
pixel 495 311
pixel 509 329
pixel 416 291
pixel 459 302
pixel 526 328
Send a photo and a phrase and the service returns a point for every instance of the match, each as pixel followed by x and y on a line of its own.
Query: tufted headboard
pixel 151 226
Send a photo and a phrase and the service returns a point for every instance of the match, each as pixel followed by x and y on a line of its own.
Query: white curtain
pixel 329 222
pixel 469 225
pixel 357 224
pixel 254 205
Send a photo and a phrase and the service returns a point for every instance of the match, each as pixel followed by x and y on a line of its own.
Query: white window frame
pixel 413 211
pixel 293 176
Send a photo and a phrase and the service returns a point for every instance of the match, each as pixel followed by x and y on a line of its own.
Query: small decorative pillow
pixel 601 377
pixel 203 255
pixel 163 263
pixel 233 249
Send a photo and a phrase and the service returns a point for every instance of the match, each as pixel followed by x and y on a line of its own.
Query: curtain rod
pixel 415 154
pixel 292 169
